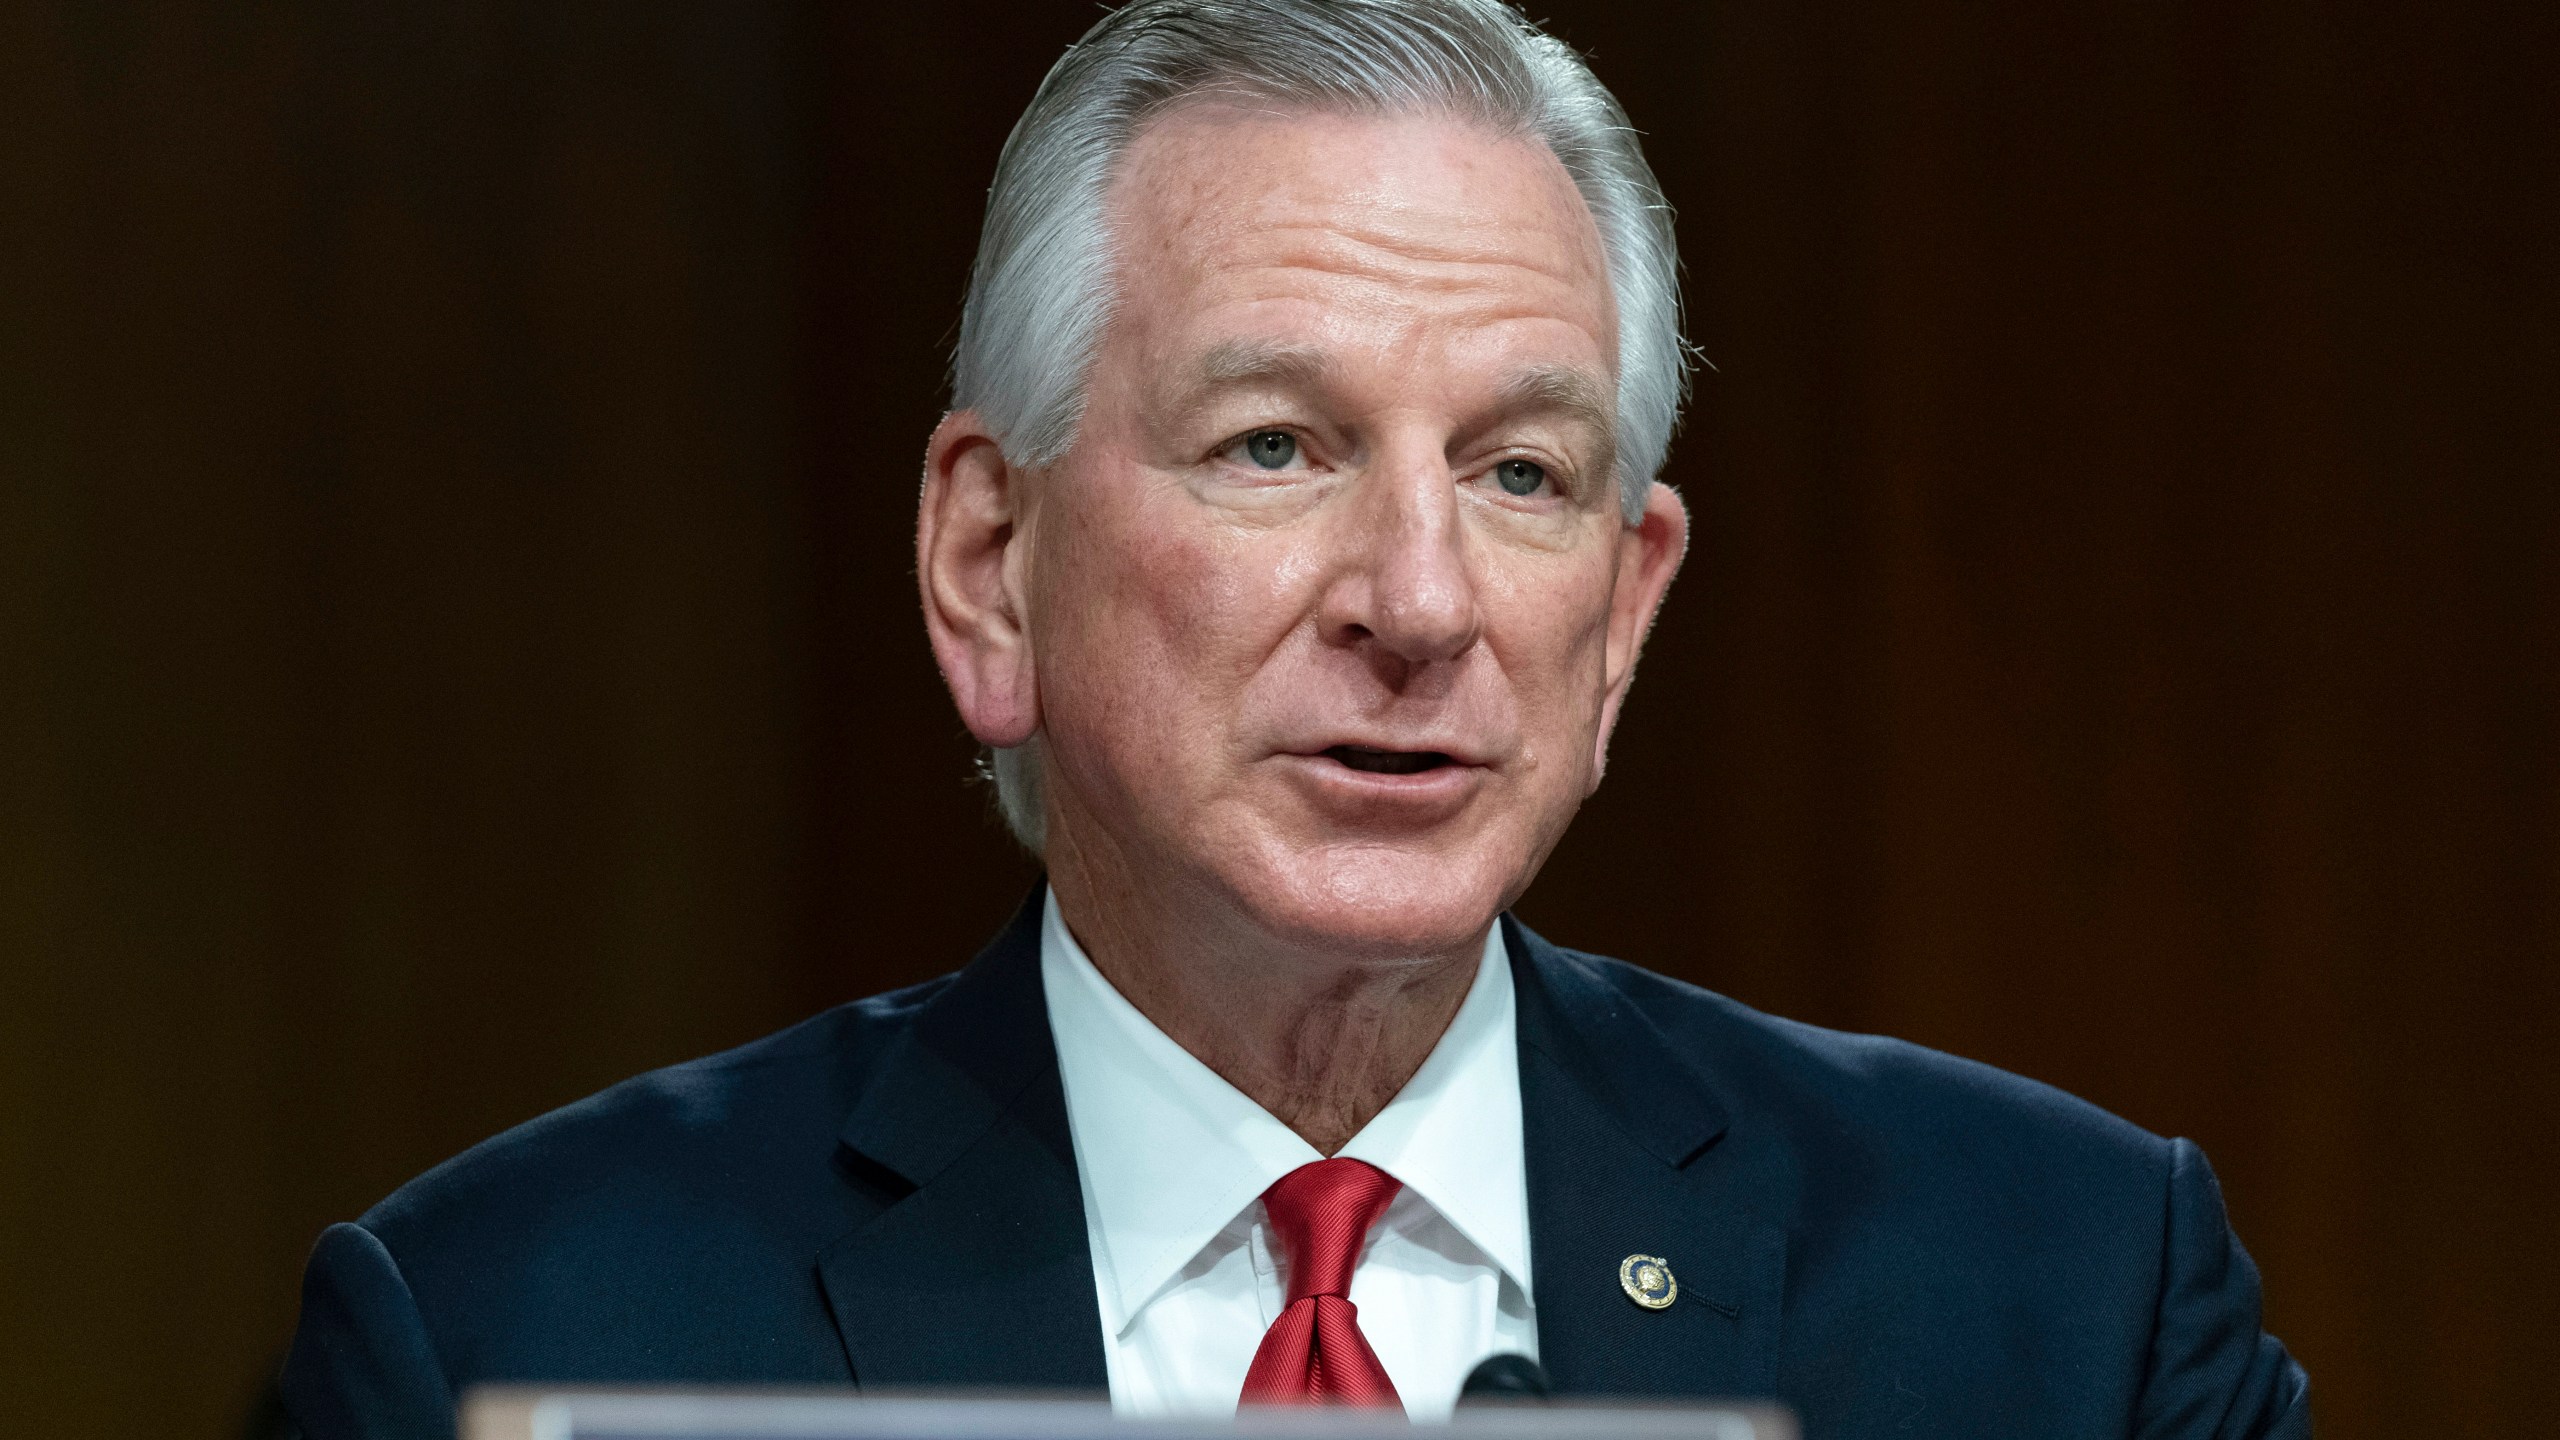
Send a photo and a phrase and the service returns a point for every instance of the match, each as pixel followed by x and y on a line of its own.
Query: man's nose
pixel 1404 587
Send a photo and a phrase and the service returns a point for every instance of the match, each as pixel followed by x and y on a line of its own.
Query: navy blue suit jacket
pixel 1896 1242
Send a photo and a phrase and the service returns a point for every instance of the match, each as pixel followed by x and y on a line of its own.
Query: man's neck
pixel 1320 1041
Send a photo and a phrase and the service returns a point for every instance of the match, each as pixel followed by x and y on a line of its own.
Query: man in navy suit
pixel 1290 544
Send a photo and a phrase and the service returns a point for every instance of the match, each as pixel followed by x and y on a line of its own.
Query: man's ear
pixel 970 555
pixel 1649 554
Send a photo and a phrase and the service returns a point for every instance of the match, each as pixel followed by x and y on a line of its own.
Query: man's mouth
pixel 1388 762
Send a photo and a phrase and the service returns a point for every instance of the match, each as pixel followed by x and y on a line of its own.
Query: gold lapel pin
pixel 1648 1281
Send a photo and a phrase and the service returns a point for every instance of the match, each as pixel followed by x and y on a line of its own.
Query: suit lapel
pixel 978 1272
pixel 1629 1153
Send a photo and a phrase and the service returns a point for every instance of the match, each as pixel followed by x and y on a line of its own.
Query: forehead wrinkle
pixel 1408 261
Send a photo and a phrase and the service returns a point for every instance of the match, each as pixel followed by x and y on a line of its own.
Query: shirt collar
pixel 1170 1153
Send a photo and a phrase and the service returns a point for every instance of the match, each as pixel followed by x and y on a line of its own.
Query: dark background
pixel 457 644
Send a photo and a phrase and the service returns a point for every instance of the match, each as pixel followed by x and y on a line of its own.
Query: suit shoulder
pixel 687 1131
pixel 1875 1091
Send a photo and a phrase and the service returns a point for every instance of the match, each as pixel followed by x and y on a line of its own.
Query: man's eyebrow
pixel 1239 365
pixel 1246 362
pixel 1570 389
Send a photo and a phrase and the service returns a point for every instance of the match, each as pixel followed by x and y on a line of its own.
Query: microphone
pixel 1505 1379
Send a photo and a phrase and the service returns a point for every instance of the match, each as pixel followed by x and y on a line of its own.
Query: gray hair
pixel 1040 292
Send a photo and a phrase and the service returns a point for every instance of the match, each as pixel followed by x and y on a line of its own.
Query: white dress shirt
pixel 1173 1161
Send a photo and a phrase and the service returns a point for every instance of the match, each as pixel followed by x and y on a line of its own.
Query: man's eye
pixel 1520 477
pixel 1269 449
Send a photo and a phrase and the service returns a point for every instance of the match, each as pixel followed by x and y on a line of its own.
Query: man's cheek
pixel 1212 610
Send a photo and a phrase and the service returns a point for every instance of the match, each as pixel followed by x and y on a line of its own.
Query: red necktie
pixel 1314 1354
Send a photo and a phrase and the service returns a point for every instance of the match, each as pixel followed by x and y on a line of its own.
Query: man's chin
pixel 1378 902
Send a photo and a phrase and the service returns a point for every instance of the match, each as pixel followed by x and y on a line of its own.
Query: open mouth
pixel 1388 762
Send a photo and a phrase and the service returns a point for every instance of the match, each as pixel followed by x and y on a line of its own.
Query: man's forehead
pixel 1279 249
pixel 1403 193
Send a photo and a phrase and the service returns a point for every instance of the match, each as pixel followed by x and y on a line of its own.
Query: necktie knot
pixel 1314 1352
pixel 1321 1214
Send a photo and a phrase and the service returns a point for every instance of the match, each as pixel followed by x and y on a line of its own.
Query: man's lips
pixel 1369 784
pixel 1371 760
